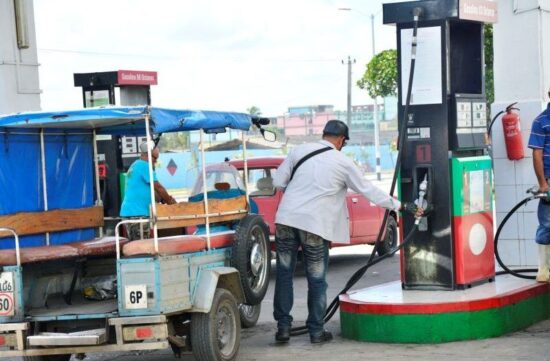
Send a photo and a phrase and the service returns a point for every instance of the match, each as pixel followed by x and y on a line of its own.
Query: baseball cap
pixel 143 146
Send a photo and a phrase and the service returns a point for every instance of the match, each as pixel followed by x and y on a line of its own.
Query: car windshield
pixel 219 173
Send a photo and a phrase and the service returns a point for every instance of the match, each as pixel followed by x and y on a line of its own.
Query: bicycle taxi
pixel 67 288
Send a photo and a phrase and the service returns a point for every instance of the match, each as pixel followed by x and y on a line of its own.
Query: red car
pixel 365 217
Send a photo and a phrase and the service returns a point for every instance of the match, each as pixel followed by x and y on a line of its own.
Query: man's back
pixel 314 200
pixel 137 198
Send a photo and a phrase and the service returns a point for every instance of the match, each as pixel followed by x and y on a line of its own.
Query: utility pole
pixel 375 114
pixel 350 62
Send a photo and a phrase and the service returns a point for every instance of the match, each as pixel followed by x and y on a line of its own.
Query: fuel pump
pixel 444 126
pixel 115 153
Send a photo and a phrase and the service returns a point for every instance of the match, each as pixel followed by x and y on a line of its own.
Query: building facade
pixel 19 86
pixel 301 123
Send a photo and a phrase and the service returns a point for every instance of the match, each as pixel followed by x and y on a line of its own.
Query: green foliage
pixel 174 141
pixel 254 110
pixel 380 78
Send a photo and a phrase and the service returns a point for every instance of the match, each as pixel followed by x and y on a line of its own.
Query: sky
pixel 212 54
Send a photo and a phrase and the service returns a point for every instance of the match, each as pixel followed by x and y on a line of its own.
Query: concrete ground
pixel 258 343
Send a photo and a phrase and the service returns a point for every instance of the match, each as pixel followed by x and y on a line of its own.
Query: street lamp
pixel 350 62
pixel 375 112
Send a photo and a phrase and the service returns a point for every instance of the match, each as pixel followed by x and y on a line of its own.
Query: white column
pixel 19 88
pixel 522 74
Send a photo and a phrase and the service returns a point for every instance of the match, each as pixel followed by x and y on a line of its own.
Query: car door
pixel 364 217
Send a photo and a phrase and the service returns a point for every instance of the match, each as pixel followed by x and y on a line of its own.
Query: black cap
pixel 336 127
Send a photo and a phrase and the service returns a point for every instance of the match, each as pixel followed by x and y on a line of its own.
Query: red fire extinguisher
pixel 512 133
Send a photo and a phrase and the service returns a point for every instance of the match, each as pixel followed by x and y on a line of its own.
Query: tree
pixel 254 110
pixel 174 141
pixel 380 78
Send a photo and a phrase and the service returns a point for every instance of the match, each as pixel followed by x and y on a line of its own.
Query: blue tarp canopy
pixel 130 120
pixel 68 155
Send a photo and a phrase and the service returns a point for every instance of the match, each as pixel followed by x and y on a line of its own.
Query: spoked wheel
pixel 251 256
pixel 389 242
pixel 216 336
pixel 249 314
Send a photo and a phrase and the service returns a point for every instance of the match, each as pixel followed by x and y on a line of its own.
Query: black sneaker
pixel 323 337
pixel 283 334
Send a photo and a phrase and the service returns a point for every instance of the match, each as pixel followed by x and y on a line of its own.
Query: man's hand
pixel 418 212
pixel 162 196
pixel 543 188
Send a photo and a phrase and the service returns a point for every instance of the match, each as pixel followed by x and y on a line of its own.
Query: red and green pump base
pixel 480 306
pixel 388 314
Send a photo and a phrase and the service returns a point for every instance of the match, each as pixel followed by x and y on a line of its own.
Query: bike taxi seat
pixel 38 254
pixel 177 244
pixel 167 246
pixel 97 247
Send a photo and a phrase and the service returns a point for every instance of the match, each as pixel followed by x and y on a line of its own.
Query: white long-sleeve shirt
pixel 315 199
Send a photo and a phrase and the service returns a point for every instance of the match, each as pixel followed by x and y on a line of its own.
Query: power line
pixel 239 59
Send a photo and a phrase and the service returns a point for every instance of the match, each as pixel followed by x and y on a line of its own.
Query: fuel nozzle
pixel 421 202
pixel 535 191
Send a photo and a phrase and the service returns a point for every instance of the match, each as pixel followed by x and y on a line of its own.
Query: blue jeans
pixel 315 252
pixel 543 230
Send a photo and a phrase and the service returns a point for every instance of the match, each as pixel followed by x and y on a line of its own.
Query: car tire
pixel 389 241
pixel 249 314
pixel 251 256
pixel 216 335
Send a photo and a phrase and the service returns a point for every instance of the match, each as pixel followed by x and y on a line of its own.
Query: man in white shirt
pixel 313 212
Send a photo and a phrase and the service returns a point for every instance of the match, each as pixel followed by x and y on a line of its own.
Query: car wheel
pixel 389 241
pixel 216 335
pixel 251 256
pixel 249 314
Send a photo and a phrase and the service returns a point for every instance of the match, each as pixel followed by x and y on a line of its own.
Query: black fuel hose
pixel 516 272
pixel 335 304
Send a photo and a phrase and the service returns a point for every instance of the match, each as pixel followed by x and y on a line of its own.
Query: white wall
pixel 522 74
pixel 19 88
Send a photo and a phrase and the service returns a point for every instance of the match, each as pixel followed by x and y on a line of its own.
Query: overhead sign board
pixel 136 77
pixel 478 10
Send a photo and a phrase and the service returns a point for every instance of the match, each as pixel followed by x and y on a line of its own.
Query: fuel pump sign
pixel 135 297
pixel 7 290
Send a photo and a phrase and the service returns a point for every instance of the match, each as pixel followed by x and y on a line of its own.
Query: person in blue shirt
pixel 137 198
pixel 539 142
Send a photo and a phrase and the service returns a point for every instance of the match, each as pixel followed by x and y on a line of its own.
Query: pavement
pixel 258 342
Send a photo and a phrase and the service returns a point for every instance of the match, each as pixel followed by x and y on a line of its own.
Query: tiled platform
pixel 386 313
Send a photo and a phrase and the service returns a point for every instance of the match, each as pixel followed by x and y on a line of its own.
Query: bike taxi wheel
pixel 249 314
pixel 47 358
pixel 251 256
pixel 216 336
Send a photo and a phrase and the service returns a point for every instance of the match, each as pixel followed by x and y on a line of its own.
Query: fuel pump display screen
pixel 470 114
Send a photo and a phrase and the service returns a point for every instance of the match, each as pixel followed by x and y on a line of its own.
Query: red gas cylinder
pixel 512 134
